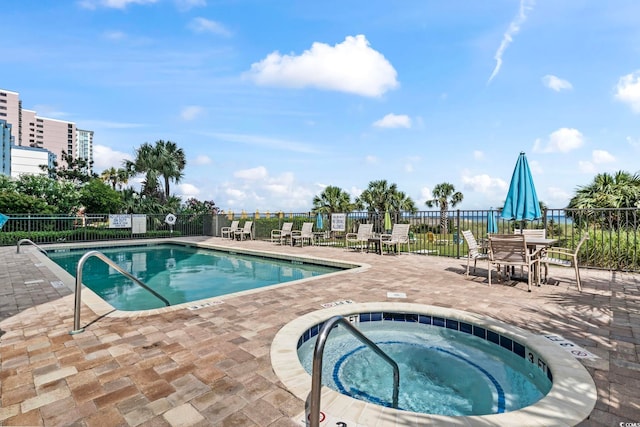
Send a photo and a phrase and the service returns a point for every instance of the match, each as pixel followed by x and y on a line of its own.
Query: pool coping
pixel 572 384
pixel 103 309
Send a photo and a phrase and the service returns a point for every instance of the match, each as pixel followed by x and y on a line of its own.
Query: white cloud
pixel 184 5
pixel 393 121
pixel 563 140
pixel 258 190
pixel 351 66
pixel 557 197
pixel 203 25
pixel 371 159
pixel 252 174
pixel 202 160
pixel 191 112
pixel 274 143
pixel 507 38
pixel 634 142
pixel 628 90
pixel 556 83
pixel 602 156
pixel 493 189
pixel 535 167
pixel 478 155
pixel 586 166
pixel 186 191
pixel 112 4
pixel 114 35
pixel 425 194
pixel 105 158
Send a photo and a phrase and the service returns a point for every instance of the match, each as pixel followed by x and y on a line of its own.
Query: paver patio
pixel 212 366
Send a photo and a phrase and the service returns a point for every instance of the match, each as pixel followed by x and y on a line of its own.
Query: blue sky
pixel 274 100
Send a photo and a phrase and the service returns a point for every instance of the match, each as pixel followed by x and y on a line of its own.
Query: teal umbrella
pixel 319 222
pixel 387 221
pixel 3 219
pixel 522 201
pixel 492 223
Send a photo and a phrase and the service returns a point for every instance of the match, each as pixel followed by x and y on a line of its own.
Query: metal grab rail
pixel 76 312
pixel 21 241
pixel 316 375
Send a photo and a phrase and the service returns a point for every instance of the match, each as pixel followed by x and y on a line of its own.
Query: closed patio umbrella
pixel 492 224
pixel 387 221
pixel 3 219
pixel 522 202
pixel 319 222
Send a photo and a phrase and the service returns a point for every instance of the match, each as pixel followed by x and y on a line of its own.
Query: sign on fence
pixel 120 221
pixel 338 222
pixel 138 224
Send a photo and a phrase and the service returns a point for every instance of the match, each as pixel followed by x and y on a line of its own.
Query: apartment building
pixel 27 129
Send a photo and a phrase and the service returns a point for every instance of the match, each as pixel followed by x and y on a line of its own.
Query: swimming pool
pixel 569 400
pixel 181 273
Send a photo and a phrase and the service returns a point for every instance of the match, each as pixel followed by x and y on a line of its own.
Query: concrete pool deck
pixel 211 366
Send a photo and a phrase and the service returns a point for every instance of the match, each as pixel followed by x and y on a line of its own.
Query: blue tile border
pixel 486 334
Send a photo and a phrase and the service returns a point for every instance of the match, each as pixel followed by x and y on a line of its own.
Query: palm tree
pixel 164 160
pixel 332 199
pixel 617 191
pixel 111 176
pixel 444 195
pixel 381 197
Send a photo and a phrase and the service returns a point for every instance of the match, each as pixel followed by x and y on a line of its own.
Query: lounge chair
pixel 228 231
pixel 246 230
pixel 475 253
pixel 282 234
pixel 306 233
pixel 510 250
pixel 360 239
pixel 399 235
pixel 565 257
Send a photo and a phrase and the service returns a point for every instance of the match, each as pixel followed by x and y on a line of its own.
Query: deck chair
pixel 360 239
pixel 228 231
pixel 510 250
pixel 399 235
pixel 282 234
pixel 475 253
pixel 306 233
pixel 564 257
pixel 246 230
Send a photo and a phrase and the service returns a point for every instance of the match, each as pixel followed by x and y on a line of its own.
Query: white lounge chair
pixel 565 257
pixel 306 233
pixel 475 253
pixel 246 230
pixel 282 234
pixel 228 231
pixel 360 239
pixel 399 235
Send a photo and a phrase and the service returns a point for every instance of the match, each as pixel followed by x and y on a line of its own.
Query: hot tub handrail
pixel 316 374
pixel 76 314
pixel 21 241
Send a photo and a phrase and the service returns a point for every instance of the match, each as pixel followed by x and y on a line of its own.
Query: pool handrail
pixel 316 372
pixel 76 313
pixel 21 241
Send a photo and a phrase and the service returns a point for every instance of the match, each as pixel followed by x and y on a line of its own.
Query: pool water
pixel 442 371
pixel 179 273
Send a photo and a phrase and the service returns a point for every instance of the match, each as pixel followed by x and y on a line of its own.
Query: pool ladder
pixel 21 241
pixel 316 375
pixel 76 314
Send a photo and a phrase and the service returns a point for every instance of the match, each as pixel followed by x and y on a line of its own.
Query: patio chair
pixel 399 235
pixel 510 250
pixel 305 233
pixel 531 232
pixel 228 231
pixel 246 230
pixel 475 251
pixel 360 239
pixel 564 257
pixel 283 233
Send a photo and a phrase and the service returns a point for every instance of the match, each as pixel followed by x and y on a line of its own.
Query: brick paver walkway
pixel 212 367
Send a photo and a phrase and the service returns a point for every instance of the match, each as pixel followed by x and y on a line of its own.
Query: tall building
pixel 18 160
pixel 84 148
pixel 27 129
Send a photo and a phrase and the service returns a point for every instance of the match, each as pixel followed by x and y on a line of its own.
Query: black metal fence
pixel 614 240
